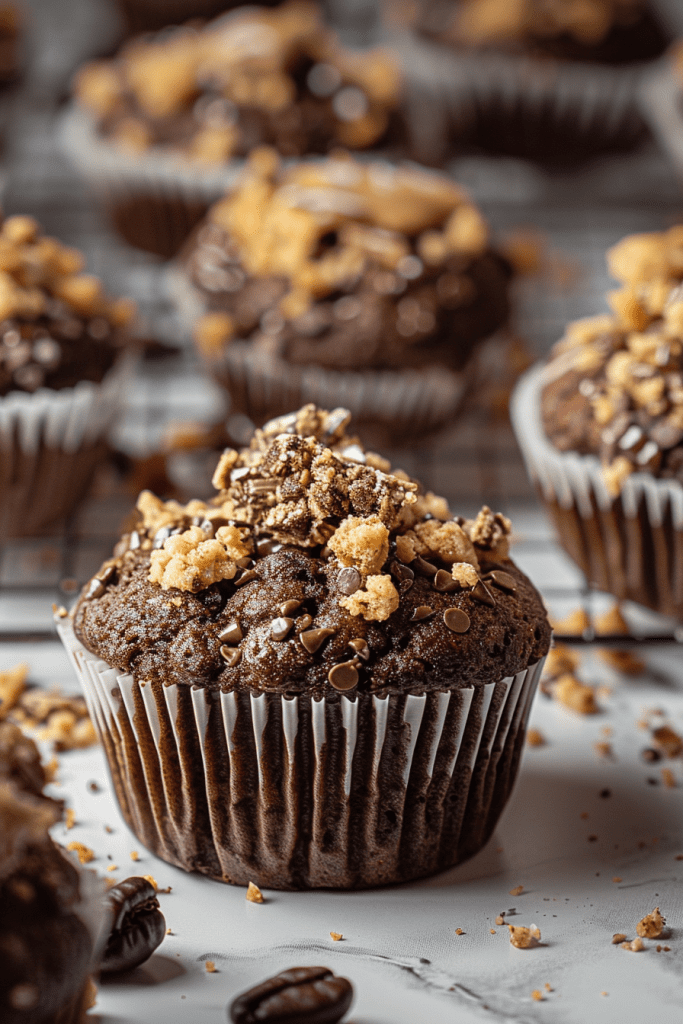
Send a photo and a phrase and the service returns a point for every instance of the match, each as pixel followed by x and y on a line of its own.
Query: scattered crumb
pixel 69 818
pixel 493 931
pixel 534 738
pixel 604 749
pixel 210 967
pixel 584 815
pixel 500 919
pixel 537 995
pixel 134 855
pixel 254 894
pixel 667 740
pixel 113 867
pixel 164 891
pixel 626 662
pixel 459 931
pixel 617 878
pixel 604 993
pixel 561 659
pixel 169 932
pixel 575 695
pixel 548 987
pixel 336 936
pixel 84 853
pixel 668 778
pixel 667 949
pixel 152 881
pixel 517 891
pixel 94 787
pixel 524 938
pixel 611 623
pixel 108 829
pixel 651 925
pixel 637 946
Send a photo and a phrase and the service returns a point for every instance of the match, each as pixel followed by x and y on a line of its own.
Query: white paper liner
pixel 630 545
pixel 299 793
pixel 447 91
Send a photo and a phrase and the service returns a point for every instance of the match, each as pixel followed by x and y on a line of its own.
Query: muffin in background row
pixel 367 285
pixel 319 678
pixel 63 363
pixel 601 428
pixel 160 130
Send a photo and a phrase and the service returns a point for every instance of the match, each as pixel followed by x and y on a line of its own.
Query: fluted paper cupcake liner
pixel 154 199
pixel 50 445
pixel 529 106
pixel 630 545
pixel 298 793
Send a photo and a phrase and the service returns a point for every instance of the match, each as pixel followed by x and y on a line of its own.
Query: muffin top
pixel 57 327
pixel 603 30
pixel 614 383
pixel 254 76
pixel 346 264
pixel 45 947
pixel 315 570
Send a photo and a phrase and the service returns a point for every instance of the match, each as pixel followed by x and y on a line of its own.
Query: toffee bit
pixel 134 855
pixel 500 919
pixel 575 695
pixel 667 741
pixel 210 967
pixel 538 996
pixel 84 853
pixel 459 931
pixel 636 946
pixel 652 925
pixel 524 938
pixel 517 891
pixel 254 894
pixel 69 818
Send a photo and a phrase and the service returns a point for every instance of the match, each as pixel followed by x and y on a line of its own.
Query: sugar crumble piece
pixel 375 602
pixel 221 476
pixel 12 686
pixel 537 995
pixel 652 925
pixel 636 946
pixel 560 660
pixel 152 881
pixel 517 891
pixel 535 738
pixel 626 662
pixel 668 778
pixel 576 623
pixel 445 540
pixel 493 931
pixel 611 622
pixel 169 931
pixel 108 829
pixel 113 867
pixel 69 818
pixel 362 543
pixel 188 561
pixel 490 532
pixel 254 894
pixel 500 919
pixel 336 936
pixel 524 938
pixel 617 878
pixel 210 967
pixel 84 853
pixel 134 855
pixel 459 931
pixel 575 695
pixel 667 741
pixel 604 993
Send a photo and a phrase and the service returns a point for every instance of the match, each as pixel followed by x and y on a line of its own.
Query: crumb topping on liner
pixel 339 262
pixel 614 383
pixel 258 75
pixel 316 567
pixel 57 325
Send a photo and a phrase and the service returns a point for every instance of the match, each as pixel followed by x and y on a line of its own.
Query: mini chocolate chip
pixel 245 563
pixel 361 648
pixel 267 546
pixel 481 593
pixel 231 655
pixel 134 541
pixel 95 589
pixel 304 622
pixel 423 611
pixel 280 627
pixel 343 676
pixel 246 577
pixel 313 638
pixel 503 580
pixel 137 928
pixel 401 572
pixel 457 620
pixel 650 754
pixel 349 581
pixel 422 566
pixel 289 606
pixel 232 634
pixel 444 582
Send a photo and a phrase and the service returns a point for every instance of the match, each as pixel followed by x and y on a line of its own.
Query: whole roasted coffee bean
pixel 301 995
pixel 137 925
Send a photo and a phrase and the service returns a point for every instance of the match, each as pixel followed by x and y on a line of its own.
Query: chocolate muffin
pixel 62 344
pixel 162 126
pixel 608 409
pixel 336 280
pixel 317 679
pixel 50 915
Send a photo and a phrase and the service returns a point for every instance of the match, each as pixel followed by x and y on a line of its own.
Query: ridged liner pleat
pixel 299 793
pixel 630 545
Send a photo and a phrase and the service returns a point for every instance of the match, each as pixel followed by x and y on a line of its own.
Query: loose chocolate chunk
pixel 444 582
pixel 301 995
pixel 280 627
pixel 314 638
pixel 230 655
pixel 289 606
pixel 232 634
pixel 503 580
pixel 481 593
pixel 246 577
pixel 457 620
pixel 349 581
pixel 95 589
pixel 343 676
pixel 423 611
pixel 422 566
pixel 137 925
pixel 361 648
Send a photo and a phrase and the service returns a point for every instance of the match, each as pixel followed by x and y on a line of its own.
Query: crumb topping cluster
pixel 260 75
pixel 615 382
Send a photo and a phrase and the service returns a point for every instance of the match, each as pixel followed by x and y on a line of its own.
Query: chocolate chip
pixel 349 581
pixel 423 611
pixel 304 622
pixel 267 546
pixel 289 606
pixel 306 995
pixel 503 580
pixel 457 620
pixel 232 634
pixel 313 638
pixel 231 655
pixel 137 928
pixel 280 627
pixel 246 577
pixel 361 648
pixel 343 676
pixel 404 575
pixel 424 567
pixel 482 594
pixel 95 589
pixel 245 563
pixel 444 582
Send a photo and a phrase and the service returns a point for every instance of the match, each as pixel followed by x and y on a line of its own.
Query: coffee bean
pixel 232 634
pixel 423 567
pixel 343 676
pixel 423 611
pixel 280 627
pixel 301 995
pixel 503 580
pixel 137 925
pixel 349 581
pixel 313 639
pixel 457 620
pixel 289 606
pixel 482 594
pixel 444 582
pixel 231 655
pixel 361 648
